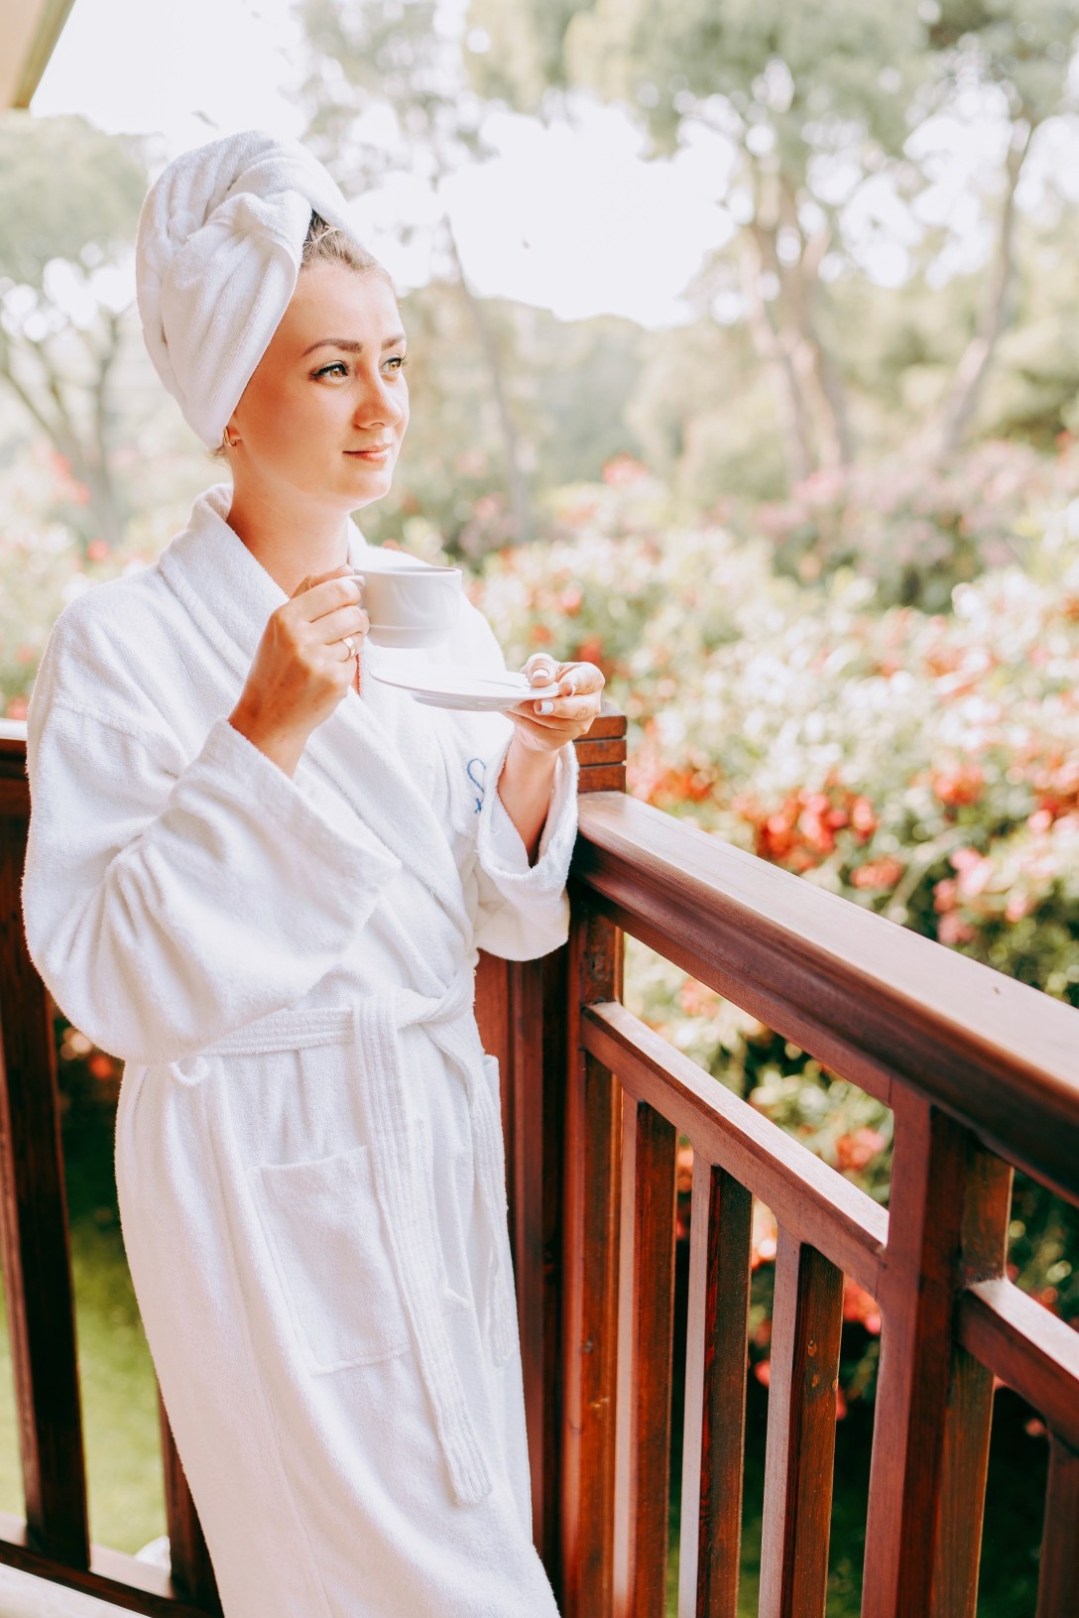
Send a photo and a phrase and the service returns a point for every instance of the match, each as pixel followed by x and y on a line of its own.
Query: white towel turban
pixel 220 239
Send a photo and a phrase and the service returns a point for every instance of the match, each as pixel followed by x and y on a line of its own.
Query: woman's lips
pixel 376 456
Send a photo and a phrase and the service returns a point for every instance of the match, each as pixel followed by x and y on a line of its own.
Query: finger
pixel 327 596
pixel 311 579
pixel 566 707
pixel 541 668
pixel 580 678
pixel 334 626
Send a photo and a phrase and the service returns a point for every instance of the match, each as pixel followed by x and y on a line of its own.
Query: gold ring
pixel 351 644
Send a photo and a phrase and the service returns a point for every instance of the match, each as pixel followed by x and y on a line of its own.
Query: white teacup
pixel 410 606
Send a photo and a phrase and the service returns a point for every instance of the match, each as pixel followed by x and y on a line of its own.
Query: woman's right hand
pixel 303 667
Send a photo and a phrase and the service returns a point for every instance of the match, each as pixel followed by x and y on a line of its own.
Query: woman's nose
pixel 378 406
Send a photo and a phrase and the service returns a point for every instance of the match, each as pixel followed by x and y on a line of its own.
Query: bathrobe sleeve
pixel 170 900
pixel 523 910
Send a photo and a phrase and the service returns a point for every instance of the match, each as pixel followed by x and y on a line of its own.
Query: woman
pixel 261 877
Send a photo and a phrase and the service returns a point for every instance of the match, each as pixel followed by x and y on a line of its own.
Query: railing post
pixel 592 1116
pixel 522 1008
pixel 33 1217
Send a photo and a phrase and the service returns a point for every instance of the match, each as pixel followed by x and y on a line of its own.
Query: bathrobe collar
pixel 231 595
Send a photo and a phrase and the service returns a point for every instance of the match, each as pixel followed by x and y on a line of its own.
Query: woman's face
pixel 326 410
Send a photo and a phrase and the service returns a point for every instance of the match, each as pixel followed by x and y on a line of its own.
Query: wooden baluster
pixel 33 1219
pixel 645 1348
pixel 191 1568
pixel 807 1321
pixel 714 1446
pixel 947 1225
pixel 1058 1583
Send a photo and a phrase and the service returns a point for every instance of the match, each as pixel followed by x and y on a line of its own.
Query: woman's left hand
pixel 548 724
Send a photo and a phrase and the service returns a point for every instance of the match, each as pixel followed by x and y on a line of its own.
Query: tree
pixel 816 106
pixel 1021 52
pixel 372 54
pixel 69 202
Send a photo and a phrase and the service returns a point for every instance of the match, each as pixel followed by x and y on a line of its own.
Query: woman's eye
pixel 338 368
pixel 397 362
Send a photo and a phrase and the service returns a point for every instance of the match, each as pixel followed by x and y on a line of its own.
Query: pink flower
pixel 953 930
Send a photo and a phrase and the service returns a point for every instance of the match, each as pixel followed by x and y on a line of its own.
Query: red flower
pixel 883 873
pixel 859 1307
pixel 856 1151
pixel 960 784
pixel 623 471
pixel 590 650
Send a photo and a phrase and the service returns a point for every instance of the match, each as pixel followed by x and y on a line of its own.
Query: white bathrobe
pixel 308 1143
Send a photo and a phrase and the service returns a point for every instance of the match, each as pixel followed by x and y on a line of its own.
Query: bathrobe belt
pixel 402 1184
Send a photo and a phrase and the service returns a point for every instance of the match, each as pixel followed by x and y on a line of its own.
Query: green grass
pixel 120 1431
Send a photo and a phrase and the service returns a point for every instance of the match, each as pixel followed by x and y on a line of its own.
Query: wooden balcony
pixel 982 1074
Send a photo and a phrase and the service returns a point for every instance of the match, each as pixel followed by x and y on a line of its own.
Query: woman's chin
pixel 369 482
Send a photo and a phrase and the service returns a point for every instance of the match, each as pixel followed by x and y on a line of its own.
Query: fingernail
pixel 545 707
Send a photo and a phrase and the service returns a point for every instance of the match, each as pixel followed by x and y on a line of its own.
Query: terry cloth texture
pixel 309 1154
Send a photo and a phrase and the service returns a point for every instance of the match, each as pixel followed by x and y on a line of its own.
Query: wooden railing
pixel 981 1073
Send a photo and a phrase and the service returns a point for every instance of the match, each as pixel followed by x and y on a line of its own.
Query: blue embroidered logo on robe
pixel 477 780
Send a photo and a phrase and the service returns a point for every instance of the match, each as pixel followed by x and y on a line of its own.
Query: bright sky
pixel 572 220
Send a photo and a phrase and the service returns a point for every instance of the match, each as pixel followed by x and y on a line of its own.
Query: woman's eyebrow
pixel 349 345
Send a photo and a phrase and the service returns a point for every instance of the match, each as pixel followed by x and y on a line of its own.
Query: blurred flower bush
pixel 46 557
pixel 922 764
pixel 913 528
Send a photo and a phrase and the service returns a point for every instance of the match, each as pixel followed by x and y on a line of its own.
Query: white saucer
pixel 448 688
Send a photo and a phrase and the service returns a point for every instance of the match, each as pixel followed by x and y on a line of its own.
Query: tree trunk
pixel 88 451
pixel 787 390
pixel 820 378
pixel 949 427
pixel 520 499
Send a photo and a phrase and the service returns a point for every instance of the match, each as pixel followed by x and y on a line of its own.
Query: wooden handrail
pixel 872 1000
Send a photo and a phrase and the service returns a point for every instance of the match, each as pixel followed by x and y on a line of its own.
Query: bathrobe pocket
pixel 324 1228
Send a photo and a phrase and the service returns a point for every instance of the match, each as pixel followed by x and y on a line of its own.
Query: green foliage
pixel 69 200
pixel 911 530
pixel 817 111
pixel 67 191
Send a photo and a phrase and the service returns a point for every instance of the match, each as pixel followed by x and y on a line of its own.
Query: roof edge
pixel 49 29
